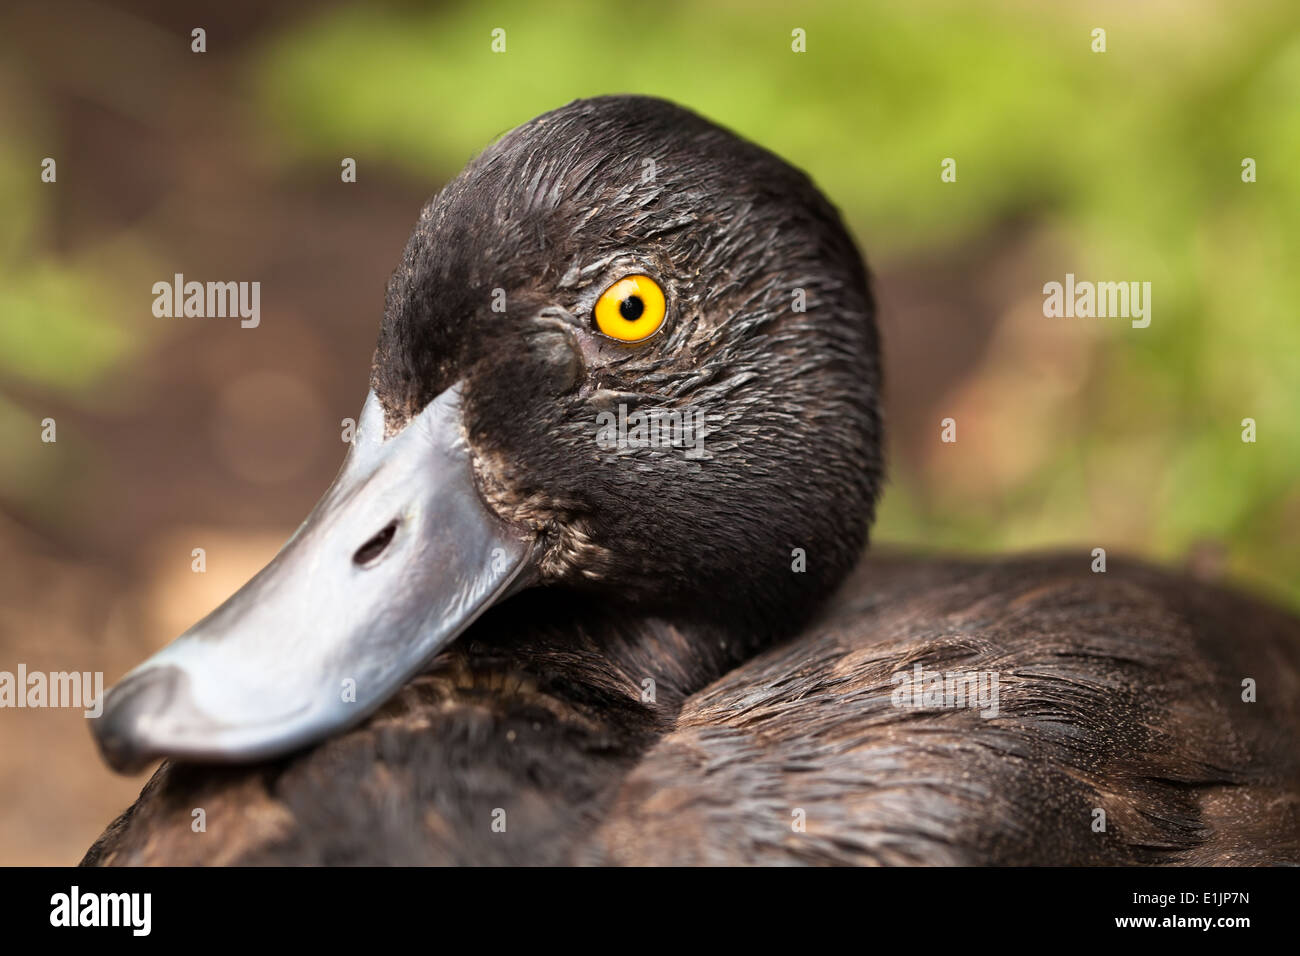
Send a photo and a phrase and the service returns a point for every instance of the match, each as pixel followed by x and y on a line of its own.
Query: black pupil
pixel 631 308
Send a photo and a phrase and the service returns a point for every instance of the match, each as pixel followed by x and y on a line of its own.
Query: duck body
pixel 1119 692
pixel 557 649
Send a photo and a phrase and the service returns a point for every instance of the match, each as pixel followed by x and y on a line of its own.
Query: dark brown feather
pixel 1120 691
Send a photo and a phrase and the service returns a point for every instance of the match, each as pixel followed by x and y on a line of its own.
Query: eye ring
pixel 632 309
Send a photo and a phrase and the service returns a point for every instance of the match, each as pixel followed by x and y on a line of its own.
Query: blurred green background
pixel 173 434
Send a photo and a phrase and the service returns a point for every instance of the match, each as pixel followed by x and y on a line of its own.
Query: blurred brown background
pixel 182 433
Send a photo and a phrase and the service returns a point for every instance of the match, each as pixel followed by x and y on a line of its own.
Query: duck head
pixel 625 353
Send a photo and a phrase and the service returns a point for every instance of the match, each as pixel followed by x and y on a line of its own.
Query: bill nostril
pixel 373 548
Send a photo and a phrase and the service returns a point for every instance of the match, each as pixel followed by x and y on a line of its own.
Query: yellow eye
pixel 631 309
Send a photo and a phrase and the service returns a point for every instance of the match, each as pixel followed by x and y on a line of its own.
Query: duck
pixel 519 630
